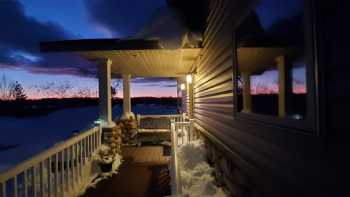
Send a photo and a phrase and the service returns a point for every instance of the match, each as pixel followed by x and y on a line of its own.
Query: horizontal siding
pixel 272 157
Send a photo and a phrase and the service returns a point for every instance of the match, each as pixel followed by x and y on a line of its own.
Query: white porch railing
pixel 59 171
pixel 181 133
pixel 159 121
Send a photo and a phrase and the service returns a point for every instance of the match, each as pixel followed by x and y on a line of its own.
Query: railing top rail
pixel 44 155
pixel 160 116
pixel 182 123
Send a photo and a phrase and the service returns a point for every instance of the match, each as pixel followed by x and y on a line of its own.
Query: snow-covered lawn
pixel 196 174
pixel 31 135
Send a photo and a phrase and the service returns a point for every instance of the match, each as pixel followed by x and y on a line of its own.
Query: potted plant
pixel 105 158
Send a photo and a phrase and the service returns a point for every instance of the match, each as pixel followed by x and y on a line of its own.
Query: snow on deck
pixel 144 172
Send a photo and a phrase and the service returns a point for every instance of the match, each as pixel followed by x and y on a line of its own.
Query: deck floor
pixel 143 173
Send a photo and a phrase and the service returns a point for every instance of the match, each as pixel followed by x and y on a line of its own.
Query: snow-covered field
pixel 35 134
pixel 196 174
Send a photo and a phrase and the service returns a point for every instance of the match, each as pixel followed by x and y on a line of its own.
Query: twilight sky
pixel 25 23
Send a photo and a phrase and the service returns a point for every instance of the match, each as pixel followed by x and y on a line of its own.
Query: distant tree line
pixel 11 90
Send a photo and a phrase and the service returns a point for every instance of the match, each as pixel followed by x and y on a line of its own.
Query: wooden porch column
pixel 284 84
pixel 105 98
pixel 247 97
pixel 127 113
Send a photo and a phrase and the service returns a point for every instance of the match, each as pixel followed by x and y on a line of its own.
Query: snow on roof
pixel 168 27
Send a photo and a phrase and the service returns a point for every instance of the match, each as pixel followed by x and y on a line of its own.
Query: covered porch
pixel 127 59
pixel 67 168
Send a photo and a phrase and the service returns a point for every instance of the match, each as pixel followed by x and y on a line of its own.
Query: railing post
pixel 191 131
pixel 177 189
pixel 138 118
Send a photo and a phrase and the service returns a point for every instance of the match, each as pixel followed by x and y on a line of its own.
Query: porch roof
pixel 139 58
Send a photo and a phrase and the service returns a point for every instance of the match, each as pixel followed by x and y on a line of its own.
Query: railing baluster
pixel 62 172
pixel 95 141
pixel 34 180
pixel 56 175
pixel 81 160
pixel 88 147
pixel 76 161
pixel 3 185
pixel 41 174
pixel 73 170
pixel 90 140
pixel 15 186
pixel 25 183
pixel 49 175
pixel 99 141
pixel 68 170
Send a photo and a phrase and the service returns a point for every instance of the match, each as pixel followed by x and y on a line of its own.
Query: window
pixel 273 62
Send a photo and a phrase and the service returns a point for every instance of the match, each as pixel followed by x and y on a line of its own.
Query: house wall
pixel 254 158
pixel 334 48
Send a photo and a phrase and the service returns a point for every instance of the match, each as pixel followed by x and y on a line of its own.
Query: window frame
pixel 309 124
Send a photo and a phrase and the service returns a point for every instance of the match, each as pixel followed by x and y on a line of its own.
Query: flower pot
pixel 106 167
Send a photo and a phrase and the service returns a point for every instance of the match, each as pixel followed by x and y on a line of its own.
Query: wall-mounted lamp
pixel 183 86
pixel 189 79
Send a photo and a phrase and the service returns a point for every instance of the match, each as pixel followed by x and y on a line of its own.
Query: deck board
pixel 145 154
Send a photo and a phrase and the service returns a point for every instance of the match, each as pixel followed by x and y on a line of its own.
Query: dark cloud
pixel 122 17
pixel 19 44
pixel 156 81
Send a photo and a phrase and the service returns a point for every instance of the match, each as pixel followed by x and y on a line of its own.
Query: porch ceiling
pixel 148 62
pixel 139 58
pixel 258 59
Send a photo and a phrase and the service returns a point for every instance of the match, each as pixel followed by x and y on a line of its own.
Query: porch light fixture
pixel 98 121
pixel 189 79
pixel 182 86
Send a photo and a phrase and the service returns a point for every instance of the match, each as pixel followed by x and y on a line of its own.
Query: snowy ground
pixel 35 134
pixel 195 172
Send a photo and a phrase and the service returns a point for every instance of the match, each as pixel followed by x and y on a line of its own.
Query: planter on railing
pixel 59 171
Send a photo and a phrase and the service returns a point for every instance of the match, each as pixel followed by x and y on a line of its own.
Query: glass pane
pixel 271 62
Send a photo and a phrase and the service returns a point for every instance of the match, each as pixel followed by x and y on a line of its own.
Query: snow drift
pixel 196 173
